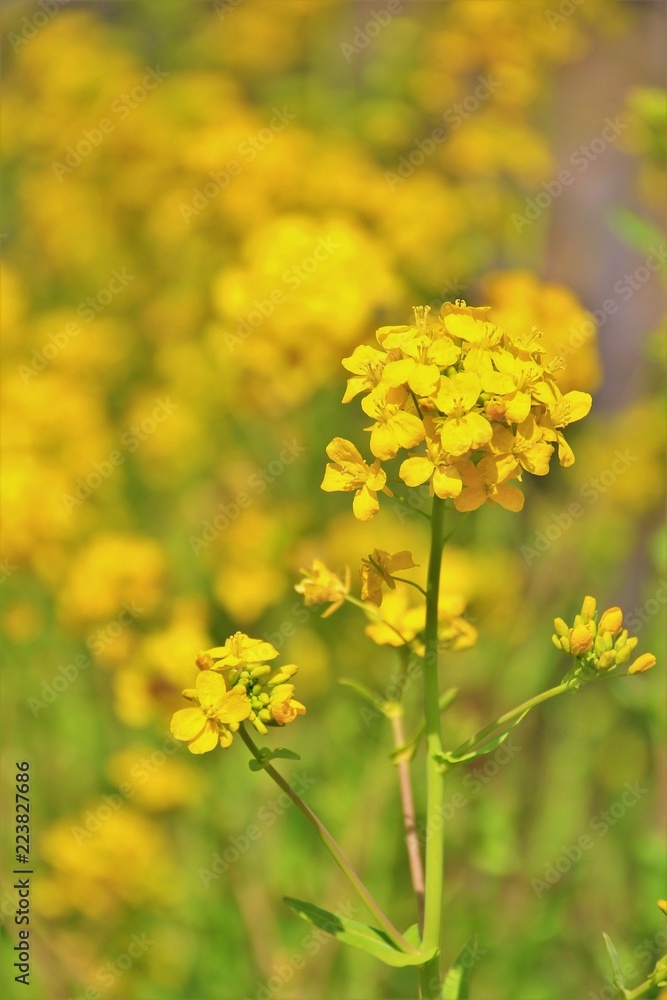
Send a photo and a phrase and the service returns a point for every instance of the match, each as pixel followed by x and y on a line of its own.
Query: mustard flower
pixel 320 585
pixel 378 569
pixel 350 473
pixel 217 716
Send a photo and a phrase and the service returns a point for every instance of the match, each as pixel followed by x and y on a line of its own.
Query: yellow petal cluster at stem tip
pixel 235 684
pixel 599 647
pixel 471 406
pixel 320 585
pixel 378 569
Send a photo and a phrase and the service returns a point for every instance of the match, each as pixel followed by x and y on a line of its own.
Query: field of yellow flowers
pixel 208 205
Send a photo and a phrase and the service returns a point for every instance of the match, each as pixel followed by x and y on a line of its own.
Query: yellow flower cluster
pixel 479 404
pixel 598 647
pixel 235 684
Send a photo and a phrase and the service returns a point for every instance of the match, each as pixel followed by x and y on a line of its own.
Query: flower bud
pixel 260 727
pixel 611 621
pixel 204 660
pixel 607 660
pixel 588 608
pixel 642 664
pixel 556 642
pixel 561 627
pixel 621 639
pixel 624 654
pixel 565 644
pixel 261 670
pixel 581 639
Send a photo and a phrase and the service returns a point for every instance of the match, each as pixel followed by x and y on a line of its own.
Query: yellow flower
pixel 526 447
pixel 366 363
pixel 400 622
pixel 611 621
pixel 642 664
pixel 565 410
pixel 320 585
pixel 483 483
pixel 217 716
pixel 422 357
pixel 454 631
pixel 238 651
pixel 581 639
pixel 394 427
pixel 436 466
pixel 378 569
pixel 461 429
pixel 283 707
pixel 349 472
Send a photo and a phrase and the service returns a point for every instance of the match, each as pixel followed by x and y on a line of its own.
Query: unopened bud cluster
pixel 599 646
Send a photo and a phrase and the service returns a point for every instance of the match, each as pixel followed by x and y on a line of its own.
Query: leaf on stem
pixel 280 753
pixel 457 981
pixel 477 746
pixel 358 935
pixel 617 975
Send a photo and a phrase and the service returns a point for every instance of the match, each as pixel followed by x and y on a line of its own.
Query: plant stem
pixel 430 973
pixel 336 852
pixel 409 819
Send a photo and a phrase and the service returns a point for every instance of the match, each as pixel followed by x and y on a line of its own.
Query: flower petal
pixel 416 470
pixel 234 707
pixel 207 739
pixel 210 688
pixel 187 723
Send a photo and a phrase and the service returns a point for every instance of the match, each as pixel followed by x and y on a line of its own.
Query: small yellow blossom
pixel 283 706
pixel 350 473
pixel 238 651
pixel 643 663
pixel 598 648
pixel 463 427
pixel 483 484
pixel 400 622
pixel 435 466
pixel 394 427
pixel 378 569
pixel 611 621
pixel 320 585
pixel 217 716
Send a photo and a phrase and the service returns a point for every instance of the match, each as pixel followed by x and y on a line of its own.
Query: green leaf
pixel 479 745
pixel 280 753
pixel 358 935
pixel 617 975
pixel 457 981
pixel 363 692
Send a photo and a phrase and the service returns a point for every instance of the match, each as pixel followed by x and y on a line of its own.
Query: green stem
pixel 641 991
pixel 430 973
pixel 509 716
pixel 336 852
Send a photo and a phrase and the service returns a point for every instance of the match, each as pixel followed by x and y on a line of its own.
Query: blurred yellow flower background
pixel 207 206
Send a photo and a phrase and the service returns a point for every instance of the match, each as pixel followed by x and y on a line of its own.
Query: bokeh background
pixel 206 207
